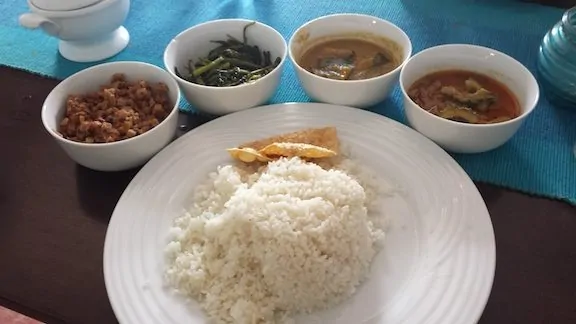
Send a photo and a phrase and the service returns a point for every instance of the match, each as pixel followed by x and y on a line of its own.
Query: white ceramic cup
pixel 356 93
pixel 195 42
pixel 114 156
pixel 460 137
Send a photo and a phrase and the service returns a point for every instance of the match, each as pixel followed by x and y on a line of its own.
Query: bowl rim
pixel 63 14
pixel 217 21
pixel 524 114
pixel 60 87
pixel 337 15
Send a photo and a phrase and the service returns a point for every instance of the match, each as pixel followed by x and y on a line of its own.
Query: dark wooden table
pixel 54 214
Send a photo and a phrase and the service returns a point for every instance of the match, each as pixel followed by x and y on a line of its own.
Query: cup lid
pixel 63 5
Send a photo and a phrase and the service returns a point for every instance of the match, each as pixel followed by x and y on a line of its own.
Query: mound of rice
pixel 257 248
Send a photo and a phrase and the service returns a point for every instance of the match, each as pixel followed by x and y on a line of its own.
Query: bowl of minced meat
pixel 113 116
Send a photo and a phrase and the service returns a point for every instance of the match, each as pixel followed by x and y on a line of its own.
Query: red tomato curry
pixel 465 96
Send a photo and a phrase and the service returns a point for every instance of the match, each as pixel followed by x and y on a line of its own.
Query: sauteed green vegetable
pixel 232 63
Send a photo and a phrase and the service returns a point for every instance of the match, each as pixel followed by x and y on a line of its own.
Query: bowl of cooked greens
pixel 227 65
pixel 349 59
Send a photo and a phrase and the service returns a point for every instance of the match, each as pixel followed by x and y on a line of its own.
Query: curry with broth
pixel 350 59
pixel 465 96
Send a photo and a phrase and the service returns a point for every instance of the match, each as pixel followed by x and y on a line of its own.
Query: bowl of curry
pixel 349 59
pixel 467 98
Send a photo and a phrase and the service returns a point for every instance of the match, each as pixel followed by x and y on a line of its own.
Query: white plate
pixel 438 262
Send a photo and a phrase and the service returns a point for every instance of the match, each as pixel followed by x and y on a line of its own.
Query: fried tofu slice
pixel 247 155
pixel 305 151
pixel 326 137
pixel 312 143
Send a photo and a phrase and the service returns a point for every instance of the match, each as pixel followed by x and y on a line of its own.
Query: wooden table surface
pixel 54 214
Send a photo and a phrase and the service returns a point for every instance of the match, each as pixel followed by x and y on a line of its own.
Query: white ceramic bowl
pixel 87 34
pixel 462 137
pixel 356 93
pixel 194 43
pixel 114 156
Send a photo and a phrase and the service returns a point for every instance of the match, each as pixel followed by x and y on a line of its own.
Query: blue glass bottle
pixel 557 62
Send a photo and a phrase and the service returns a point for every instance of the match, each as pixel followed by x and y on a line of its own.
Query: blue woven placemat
pixel 538 160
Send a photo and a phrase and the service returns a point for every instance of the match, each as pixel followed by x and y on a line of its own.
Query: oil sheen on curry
pixel 465 96
pixel 350 59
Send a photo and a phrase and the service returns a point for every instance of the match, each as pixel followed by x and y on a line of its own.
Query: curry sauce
pixel 349 59
pixel 465 96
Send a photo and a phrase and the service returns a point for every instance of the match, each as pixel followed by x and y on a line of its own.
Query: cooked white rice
pixel 259 247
